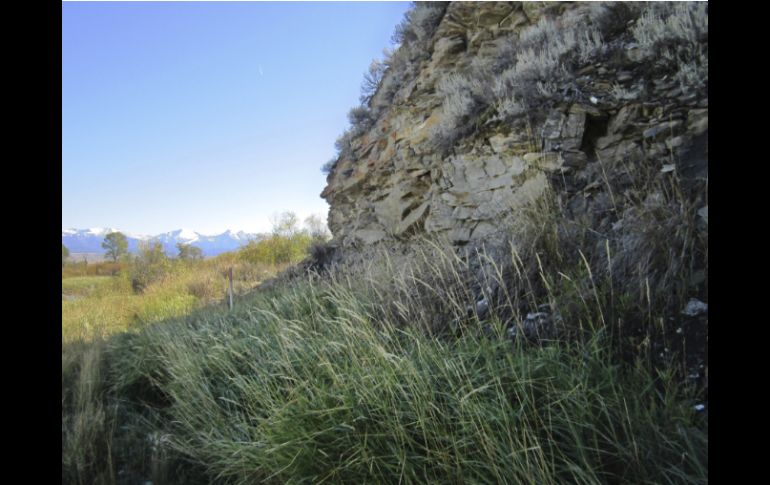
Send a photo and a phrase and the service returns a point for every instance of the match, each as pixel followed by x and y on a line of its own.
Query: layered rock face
pixel 500 102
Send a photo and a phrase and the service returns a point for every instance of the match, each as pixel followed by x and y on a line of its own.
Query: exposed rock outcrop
pixel 501 100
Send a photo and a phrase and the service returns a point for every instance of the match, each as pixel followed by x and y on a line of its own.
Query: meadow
pixel 99 306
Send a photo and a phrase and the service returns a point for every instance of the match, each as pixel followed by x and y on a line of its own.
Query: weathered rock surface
pixel 612 109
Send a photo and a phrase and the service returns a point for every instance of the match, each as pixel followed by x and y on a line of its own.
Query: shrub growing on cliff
pixel 542 58
pixel 419 23
pixel 343 143
pixel 463 100
pixel 385 77
pixel 671 34
pixel 372 80
pixel 526 73
pixel 327 167
pixel 360 119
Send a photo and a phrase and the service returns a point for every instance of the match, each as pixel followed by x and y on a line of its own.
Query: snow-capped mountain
pixel 90 240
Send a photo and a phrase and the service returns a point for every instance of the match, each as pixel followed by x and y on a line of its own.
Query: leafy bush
pixel 150 265
pixel 276 249
pixel 188 252
pixel 287 244
pixel 671 34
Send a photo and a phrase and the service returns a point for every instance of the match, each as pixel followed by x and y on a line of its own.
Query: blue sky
pixel 208 115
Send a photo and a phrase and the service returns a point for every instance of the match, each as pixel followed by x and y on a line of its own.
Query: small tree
pixel 316 227
pixel 285 224
pixel 286 244
pixel 188 252
pixel 115 245
pixel 150 265
pixel 372 80
pixel 65 253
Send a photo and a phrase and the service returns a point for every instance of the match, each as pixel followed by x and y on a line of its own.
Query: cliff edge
pixel 484 107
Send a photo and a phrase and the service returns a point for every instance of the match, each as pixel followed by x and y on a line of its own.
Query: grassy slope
pixel 348 380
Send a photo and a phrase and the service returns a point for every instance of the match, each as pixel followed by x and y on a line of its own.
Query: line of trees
pixel 288 243
pixel 188 252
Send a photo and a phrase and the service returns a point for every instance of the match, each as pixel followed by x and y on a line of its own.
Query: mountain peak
pixel 186 234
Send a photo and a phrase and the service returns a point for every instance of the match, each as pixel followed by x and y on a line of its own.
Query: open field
pixel 96 306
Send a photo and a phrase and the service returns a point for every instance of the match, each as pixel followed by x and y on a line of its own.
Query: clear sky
pixel 208 115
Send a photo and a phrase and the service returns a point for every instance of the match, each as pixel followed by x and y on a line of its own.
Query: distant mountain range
pixel 90 240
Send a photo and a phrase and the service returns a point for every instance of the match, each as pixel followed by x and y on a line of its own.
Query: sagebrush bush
pixel 419 23
pixel 529 71
pixel 343 144
pixel 462 101
pixel 671 34
pixel 360 119
pixel 372 80
pixel 526 73
pixel 385 77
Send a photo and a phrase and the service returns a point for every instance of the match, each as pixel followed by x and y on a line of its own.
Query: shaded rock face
pixel 617 85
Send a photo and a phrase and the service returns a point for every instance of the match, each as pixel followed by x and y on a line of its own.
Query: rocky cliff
pixel 485 106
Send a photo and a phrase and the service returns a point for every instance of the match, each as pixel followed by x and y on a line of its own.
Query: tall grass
pixel 83 268
pixel 352 378
pixel 98 306
pixel 305 388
